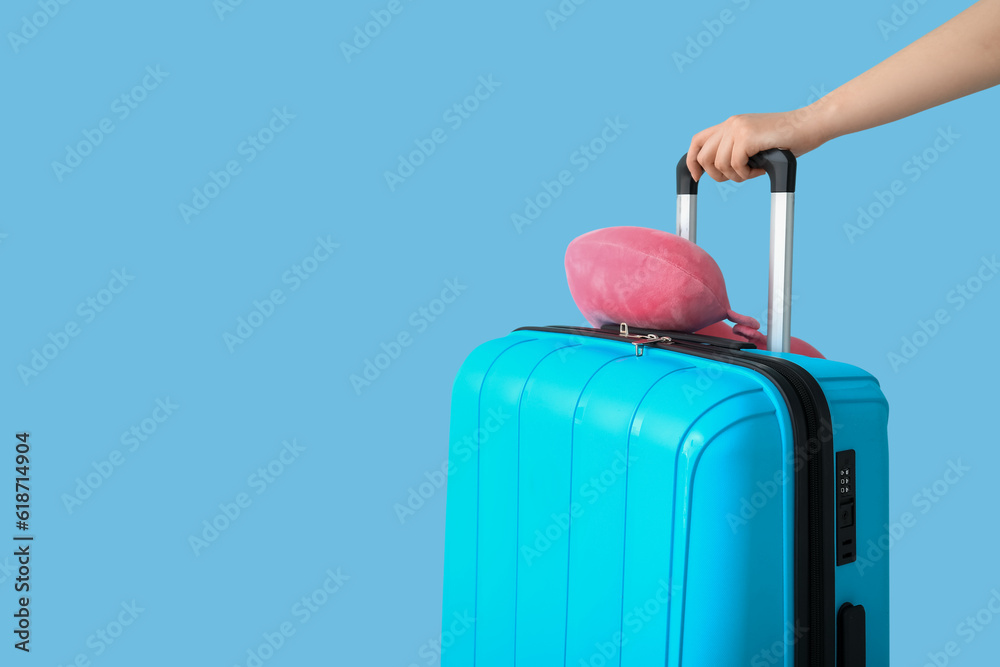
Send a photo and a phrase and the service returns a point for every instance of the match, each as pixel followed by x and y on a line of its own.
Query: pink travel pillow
pixel 652 279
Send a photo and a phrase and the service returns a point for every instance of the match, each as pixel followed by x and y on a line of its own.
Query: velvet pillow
pixel 651 279
pixel 656 280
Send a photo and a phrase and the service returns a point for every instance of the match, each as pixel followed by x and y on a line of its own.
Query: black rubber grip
pixel 778 163
pixel 686 185
pixel 780 167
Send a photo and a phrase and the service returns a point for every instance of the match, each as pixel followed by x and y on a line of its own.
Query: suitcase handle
pixel 780 167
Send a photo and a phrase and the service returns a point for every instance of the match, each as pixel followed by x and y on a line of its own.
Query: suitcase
pixel 645 498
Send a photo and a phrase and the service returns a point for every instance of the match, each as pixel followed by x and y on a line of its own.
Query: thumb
pixel 693 166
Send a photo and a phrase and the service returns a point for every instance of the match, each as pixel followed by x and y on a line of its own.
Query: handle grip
pixel 777 162
pixel 780 166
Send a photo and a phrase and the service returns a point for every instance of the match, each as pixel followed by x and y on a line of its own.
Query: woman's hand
pixel 723 150
pixel 958 58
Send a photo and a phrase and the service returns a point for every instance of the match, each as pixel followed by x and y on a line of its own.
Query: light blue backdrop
pixel 220 250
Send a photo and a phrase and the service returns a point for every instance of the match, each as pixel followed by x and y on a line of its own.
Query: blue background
pixel 323 176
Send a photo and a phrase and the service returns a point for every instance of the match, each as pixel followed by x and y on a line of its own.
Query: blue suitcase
pixel 644 498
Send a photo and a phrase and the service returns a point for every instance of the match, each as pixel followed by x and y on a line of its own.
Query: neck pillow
pixel 652 279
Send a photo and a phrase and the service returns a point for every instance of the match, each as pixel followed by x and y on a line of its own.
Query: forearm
pixel 959 58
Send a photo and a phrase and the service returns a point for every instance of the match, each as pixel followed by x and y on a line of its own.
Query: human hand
pixel 723 151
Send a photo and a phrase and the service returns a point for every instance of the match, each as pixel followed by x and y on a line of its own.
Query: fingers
pixel 692 163
pixel 723 151
pixel 737 165
pixel 740 127
pixel 724 159
pixel 740 163
pixel 706 157
pixel 692 155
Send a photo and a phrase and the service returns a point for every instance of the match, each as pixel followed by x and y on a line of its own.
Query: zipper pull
pixel 640 345
pixel 644 340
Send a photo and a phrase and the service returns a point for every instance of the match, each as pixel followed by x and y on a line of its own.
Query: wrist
pixel 823 120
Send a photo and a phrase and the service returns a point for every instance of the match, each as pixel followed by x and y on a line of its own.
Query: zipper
pixel 812 430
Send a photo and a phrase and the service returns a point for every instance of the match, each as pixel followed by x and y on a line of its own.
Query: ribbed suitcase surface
pixel 605 508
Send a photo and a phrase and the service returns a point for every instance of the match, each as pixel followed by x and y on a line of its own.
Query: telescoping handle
pixel 780 167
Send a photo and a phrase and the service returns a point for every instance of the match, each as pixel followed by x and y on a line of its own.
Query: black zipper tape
pixel 683 336
pixel 812 432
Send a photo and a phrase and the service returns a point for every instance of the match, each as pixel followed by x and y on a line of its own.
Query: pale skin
pixel 957 59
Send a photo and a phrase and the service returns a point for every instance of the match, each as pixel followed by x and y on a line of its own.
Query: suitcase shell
pixel 607 508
